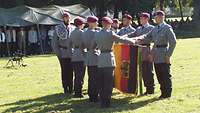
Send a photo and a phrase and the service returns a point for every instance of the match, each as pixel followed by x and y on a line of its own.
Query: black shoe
pixel 164 96
pixel 78 96
pixel 148 93
pixel 67 91
pixel 105 104
pixel 70 89
pixel 144 94
pixel 91 99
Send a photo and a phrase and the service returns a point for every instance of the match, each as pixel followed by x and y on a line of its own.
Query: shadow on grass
pixel 61 102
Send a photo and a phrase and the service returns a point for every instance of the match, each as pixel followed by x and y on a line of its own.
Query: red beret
pixel 79 21
pixel 107 20
pixel 92 19
pixel 116 21
pixel 128 16
pixel 146 15
pixel 66 14
pixel 159 13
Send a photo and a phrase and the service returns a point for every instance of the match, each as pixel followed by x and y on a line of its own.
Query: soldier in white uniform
pixel 2 43
pixel 104 40
pixel 21 38
pixel 91 58
pixel 61 44
pixel 14 41
pixel 78 56
pixel 127 28
pixel 32 41
pixel 164 40
pixel 147 65
pixel 115 25
pixel 8 40
pixel 50 37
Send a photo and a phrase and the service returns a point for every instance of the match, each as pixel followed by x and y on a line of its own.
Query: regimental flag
pixel 127 67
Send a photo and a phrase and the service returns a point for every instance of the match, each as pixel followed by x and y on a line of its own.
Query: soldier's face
pixel 106 25
pixel 159 19
pixel 82 26
pixel 125 21
pixel 143 20
pixel 94 24
pixel 115 25
pixel 66 19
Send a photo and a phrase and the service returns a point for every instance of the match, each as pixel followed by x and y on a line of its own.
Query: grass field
pixel 37 88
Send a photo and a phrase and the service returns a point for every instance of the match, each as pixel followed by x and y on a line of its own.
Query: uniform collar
pixel 106 29
pixel 146 25
pixel 65 25
pixel 161 24
pixel 128 26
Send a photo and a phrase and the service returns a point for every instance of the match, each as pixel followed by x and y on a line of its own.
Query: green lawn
pixel 37 88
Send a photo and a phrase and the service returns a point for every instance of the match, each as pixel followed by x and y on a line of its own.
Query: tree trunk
pixel 196 11
pixel 196 14
pixel 162 5
pixel 181 9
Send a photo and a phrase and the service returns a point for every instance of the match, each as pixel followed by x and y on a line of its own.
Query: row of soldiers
pixel 77 48
pixel 27 40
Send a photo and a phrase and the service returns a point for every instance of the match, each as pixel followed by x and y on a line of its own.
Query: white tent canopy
pixel 51 15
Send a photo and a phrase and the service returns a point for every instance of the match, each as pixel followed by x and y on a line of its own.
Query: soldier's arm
pixel 144 39
pixel 122 39
pixel 120 32
pixel 147 38
pixel 172 41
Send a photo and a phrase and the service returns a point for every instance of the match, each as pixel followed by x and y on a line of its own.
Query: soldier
pixel 164 40
pixel 127 28
pixel 147 66
pixel 8 40
pixel 22 40
pixel 32 41
pixel 78 56
pixel 104 40
pixel 91 58
pixel 50 37
pixel 2 43
pixel 115 25
pixel 14 41
pixel 62 47
pixel 43 38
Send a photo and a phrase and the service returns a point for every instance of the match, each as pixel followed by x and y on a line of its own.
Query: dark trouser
pixel 44 45
pixel 147 74
pixel 49 49
pixel 3 49
pixel 13 48
pixel 106 78
pixel 93 78
pixel 79 72
pixel 22 46
pixel 33 48
pixel 164 78
pixel 66 74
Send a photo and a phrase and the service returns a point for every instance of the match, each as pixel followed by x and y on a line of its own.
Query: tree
pixel 196 11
